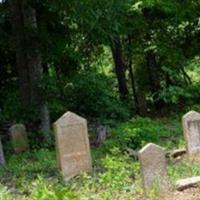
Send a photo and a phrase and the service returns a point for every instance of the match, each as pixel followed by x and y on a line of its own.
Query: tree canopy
pixel 55 55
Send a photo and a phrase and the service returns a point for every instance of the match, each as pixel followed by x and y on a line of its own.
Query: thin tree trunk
pixel 168 80
pixel 2 158
pixel 154 78
pixel 133 87
pixel 186 77
pixel 142 103
pixel 45 122
pixel 153 71
pixel 131 74
pixel 120 68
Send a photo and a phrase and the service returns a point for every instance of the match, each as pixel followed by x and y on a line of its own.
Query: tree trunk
pixel 168 80
pixel 120 68
pixel 19 42
pixel 142 103
pixel 29 61
pixel 186 77
pixel 2 158
pixel 154 78
pixel 34 60
pixel 133 87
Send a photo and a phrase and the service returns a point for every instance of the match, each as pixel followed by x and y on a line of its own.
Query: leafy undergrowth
pixel 116 175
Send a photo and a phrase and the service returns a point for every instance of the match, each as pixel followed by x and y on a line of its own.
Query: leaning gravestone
pixel 2 159
pixel 72 145
pixel 19 138
pixel 191 129
pixel 153 167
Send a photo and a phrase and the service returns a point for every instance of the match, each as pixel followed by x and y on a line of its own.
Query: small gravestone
pixel 191 129
pixel 102 133
pixel 2 159
pixel 19 138
pixel 153 167
pixel 72 145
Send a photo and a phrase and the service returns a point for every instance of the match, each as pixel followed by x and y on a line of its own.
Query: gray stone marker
pixel 19 138
pixel 153 167
pixel 187 183
pixel 191 130
pixel 2 159
pixel 72 145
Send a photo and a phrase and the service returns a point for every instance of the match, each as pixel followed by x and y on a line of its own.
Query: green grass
pixel 34 175
pixel 184 169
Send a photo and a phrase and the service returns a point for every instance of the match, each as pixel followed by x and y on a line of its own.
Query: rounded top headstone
pixel 191 115
pixel 17 127
pixel 191 130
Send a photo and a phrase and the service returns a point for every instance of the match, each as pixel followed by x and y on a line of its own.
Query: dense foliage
pixel 121 64
pixel 85 50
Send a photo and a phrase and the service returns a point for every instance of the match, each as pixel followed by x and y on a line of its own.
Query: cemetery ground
pixel 116 170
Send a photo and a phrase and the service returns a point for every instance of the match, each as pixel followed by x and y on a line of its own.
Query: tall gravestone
pixel 191 129
pixel 153 167
pixel 72 145
pixel 2 159
pixel 19 138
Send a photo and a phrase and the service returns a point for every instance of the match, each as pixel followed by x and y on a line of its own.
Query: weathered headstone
pixel 2 159
pixel 102 133
pixel 19 138
pixel 153 167
pixel 72 145
pixel 187 183
pixel 191 129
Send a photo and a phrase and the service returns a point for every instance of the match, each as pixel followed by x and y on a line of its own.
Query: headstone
pixel 2 159
pixel 72 145
pixel 153 167
pixel 178 152
pixel 175 153
pixel 102 133
pixel 19 138
pixel 191 129
pixel 187 183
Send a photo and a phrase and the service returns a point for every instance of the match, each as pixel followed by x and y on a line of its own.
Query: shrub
pixel 89 94
pixel 188 94
pixel 137 132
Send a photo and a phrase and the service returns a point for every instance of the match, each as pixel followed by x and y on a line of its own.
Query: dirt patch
pixel 189 194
